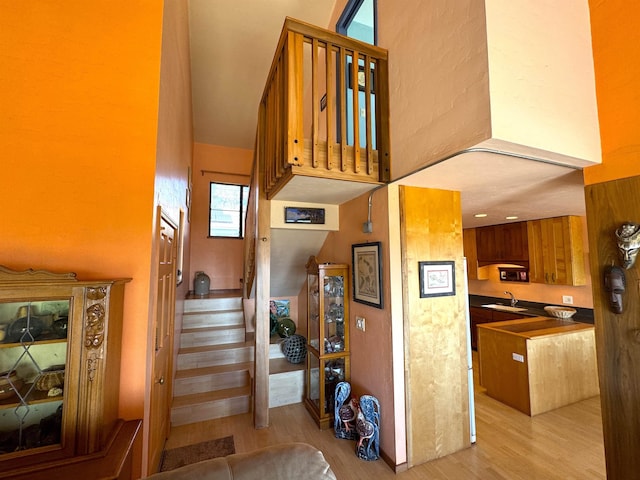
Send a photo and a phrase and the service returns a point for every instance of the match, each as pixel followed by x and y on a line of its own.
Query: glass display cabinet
pixel 59 366
pixel 327 337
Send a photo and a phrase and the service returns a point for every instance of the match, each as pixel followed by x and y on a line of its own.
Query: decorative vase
pixel 59 327
pixel 286 327
pixel 201 284
pixel 25 329
pixel 295 348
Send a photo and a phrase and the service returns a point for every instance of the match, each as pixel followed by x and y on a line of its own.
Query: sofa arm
pixel 284 461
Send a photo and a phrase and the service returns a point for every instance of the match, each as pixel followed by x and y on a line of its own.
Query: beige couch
pixel 286 461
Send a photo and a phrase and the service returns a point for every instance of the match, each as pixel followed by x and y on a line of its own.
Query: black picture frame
pixel 361 78
pixel 367 274
pixel 313 216
pixel 437 279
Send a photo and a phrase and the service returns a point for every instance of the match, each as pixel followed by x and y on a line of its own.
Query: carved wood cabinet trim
pixel 90 396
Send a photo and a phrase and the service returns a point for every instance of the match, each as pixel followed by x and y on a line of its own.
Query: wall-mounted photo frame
pixel 367 274
pixel 314 216
pixel 437 279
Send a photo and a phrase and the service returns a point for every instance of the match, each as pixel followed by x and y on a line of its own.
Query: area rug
pixel 178 457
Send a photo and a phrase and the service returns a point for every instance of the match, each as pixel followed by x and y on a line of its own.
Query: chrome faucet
pixel 514 300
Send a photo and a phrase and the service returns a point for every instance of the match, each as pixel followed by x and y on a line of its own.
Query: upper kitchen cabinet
pixel 471 252
pixel 507 243
pixel 556 251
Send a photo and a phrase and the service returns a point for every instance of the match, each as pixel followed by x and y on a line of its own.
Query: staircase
pixel 215 361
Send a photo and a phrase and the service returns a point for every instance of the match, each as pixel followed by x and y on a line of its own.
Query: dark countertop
pixel 533 309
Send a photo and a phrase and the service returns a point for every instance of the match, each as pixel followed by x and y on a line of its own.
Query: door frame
pixel 160 217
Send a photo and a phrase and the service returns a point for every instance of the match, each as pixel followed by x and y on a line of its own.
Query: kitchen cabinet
pixel 470 252
pixel 506 243
pixel 556 251
pixel 60 362
pixel 538 364
pixel 479 315
pixel 328 357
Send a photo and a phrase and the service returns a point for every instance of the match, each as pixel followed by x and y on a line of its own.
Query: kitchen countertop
pixel 533 309
pixel 537 327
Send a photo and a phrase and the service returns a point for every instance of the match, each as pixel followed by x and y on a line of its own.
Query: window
pixel 359 21
pixel 227 210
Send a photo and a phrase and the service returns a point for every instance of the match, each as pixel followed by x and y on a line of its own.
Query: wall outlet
pixel 360 323
pixel 567 299
pixel 517 357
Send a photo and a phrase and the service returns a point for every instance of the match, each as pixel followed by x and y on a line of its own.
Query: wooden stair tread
pixel 212 348
pixel 230 293
pixel 231 367
pixel 214 311
pixel 282 365
pixel 199 398
pixel 222 328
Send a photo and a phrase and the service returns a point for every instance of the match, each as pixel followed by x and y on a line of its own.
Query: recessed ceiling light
pixel 512 217
pixel 480 215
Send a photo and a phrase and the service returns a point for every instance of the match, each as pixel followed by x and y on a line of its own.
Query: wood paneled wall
pixel 434 328
pixel 609 205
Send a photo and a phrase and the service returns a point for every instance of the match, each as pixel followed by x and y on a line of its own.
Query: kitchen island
pixel 538 364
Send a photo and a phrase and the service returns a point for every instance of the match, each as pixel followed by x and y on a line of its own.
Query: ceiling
pixel 232 46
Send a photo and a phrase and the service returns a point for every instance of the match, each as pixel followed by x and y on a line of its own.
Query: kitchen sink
pixel 505 308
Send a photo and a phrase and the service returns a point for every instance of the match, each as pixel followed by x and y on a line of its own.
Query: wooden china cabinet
pixel 60 344
pixel 327 337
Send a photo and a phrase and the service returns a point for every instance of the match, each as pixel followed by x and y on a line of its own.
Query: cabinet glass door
pixel 334 340
pixel 314 311
pixel 33 357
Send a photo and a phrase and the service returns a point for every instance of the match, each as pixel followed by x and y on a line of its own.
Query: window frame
pixel 348 14
pixel 242 211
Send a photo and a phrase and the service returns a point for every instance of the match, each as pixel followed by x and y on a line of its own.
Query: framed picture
pixel 361 78
pixel 437 279
pixel 367 274
pixel 313 216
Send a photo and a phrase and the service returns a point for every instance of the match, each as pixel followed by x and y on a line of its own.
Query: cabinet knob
pixel 161 380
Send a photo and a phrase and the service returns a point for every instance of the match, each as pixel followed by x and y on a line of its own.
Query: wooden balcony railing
pixel 310 121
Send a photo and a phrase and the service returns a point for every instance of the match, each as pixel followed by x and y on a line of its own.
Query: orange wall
pixel 221 259
pixel 174 158
pixel 79 103
pixel 175 129
pixel 371 357
pixel 616 49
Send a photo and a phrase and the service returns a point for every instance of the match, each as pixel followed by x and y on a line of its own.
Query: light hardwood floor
pixel 562 444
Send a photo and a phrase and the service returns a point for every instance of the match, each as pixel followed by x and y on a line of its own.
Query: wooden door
pixel 163 320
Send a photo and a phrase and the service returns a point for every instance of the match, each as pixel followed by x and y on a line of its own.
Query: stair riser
pixel 212 304
pixel 213 358
pixel 211 383
pixel 286 388
pixel 275 351
pixel 213 319
pixel 210 410
pixel 218 337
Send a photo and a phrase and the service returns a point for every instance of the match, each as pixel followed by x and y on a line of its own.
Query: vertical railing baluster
pixel 295 98
pixel 367 99
pixel 331 98
pixel 315 102
pixel 343 107
pixel 355 85
pixel 280 117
